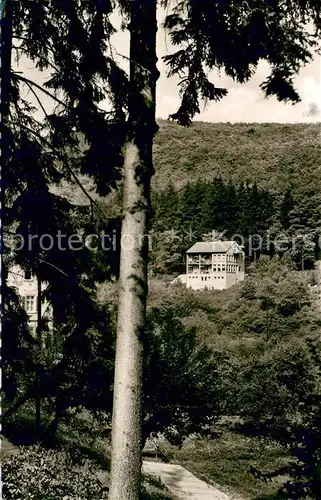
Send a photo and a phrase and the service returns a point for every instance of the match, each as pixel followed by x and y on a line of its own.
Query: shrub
pixel 302 438
pixel 184 381
pixel 271 384
pixel 40 474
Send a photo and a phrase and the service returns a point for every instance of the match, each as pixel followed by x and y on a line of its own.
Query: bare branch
pixel 52 265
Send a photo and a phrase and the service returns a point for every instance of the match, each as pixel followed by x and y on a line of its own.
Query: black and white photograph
pixel 160 249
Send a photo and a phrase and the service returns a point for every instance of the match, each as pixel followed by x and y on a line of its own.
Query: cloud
pixel 314 110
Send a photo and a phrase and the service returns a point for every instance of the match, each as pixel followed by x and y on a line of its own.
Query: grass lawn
pixel 225 463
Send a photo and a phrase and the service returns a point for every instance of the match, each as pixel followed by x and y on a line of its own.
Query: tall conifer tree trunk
pixel 138 169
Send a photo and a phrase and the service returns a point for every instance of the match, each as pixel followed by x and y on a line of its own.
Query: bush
pixel 40 474
pixel 183 381
pixel 302 438
pixel 271 384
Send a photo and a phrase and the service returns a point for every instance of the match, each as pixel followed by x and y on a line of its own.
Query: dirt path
pixel 182 483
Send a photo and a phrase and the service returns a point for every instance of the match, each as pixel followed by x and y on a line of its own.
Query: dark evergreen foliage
pixel 69 39
pixel 234 36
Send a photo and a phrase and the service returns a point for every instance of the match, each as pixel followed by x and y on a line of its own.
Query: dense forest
pixel 277 157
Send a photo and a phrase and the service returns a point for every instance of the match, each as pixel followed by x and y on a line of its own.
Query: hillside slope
pixel 275 156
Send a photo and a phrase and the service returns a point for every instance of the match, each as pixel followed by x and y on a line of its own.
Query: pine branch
pixel 40 260
pixel 61 158
pixel 39 101
pixel 27 81
pixel 22 49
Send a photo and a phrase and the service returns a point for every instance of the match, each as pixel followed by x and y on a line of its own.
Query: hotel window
pixel 28 275
pixel 223 269
pixel 29 303
pixel 219 268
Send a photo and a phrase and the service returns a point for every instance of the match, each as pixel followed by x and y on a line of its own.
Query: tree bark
pixel 125 477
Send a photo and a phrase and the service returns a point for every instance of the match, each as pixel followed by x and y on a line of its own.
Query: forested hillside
pixel 277 157
pixel 274 156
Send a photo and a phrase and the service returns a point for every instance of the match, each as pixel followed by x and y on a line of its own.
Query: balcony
pixel 206 269
pixel 206 261
pixel 192 260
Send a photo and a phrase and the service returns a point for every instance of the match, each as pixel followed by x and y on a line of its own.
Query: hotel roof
pixel 212 246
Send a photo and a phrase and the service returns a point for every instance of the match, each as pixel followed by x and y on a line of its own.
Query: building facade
pixel 26 286
pixel 214 265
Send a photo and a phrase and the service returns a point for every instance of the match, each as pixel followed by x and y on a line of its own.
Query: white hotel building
pixel 214 265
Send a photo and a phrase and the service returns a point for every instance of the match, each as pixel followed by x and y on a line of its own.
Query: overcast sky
pixel 244 103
